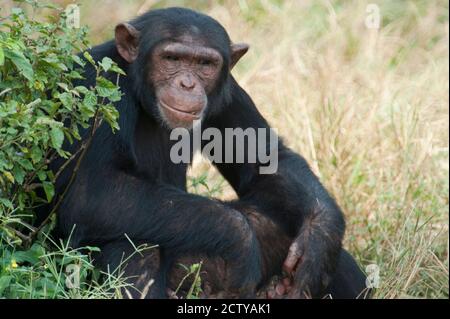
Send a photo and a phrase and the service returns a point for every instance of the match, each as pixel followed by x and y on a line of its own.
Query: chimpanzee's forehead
pixel 190 36
pixel 187 32
pixel 176 23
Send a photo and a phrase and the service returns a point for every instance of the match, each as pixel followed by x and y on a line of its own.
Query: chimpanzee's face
pixel 183 73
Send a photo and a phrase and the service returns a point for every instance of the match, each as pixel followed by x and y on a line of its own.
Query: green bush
pixel 40 109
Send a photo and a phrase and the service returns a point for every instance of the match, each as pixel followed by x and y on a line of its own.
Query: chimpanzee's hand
pixel 307 275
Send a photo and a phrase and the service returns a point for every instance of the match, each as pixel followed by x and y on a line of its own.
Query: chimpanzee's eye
pixel 171 58
pixel 205 62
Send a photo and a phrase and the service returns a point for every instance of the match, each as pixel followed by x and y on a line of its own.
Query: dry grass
pixel 368 109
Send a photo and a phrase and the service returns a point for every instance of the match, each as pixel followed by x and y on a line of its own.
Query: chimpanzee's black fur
pixel 127 184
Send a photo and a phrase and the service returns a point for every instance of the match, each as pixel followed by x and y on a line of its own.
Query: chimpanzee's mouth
pixel 194 115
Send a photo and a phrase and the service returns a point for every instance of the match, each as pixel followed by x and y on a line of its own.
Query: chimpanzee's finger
pixel 287 282
pixel 292 259
pixel 280 289
pixel 171 294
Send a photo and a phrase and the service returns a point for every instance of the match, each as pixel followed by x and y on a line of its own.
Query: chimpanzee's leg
pixel 145 271
pixel 349 282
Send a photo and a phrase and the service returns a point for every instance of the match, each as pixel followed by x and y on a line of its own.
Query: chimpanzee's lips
pixel 194 115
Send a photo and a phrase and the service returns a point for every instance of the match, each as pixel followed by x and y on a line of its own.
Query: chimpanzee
pixel 178 65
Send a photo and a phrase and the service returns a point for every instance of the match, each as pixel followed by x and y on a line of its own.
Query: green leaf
pixel 36 154
pixel 21 62
pixel 78 60
pixel 111 115
pixel 51 59
pixel 7 203
pixel 82 89
pixel 49 190
pixel 57 137
pixel 91 248
pixel 42 176
pixel 9 176
pixel 11 131
pixel 90 100
pixel 106 64
pixel 4 283
pixel 25 164
pixel 63 86
pixel 89 57
pixel 2 57
pixel 19 174
pixel 67 100
pixel 31 255
pixel 117 70
pixel 104 87
pixel 88 106
pixel 75 75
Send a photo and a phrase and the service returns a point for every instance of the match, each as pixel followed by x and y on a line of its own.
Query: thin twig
pixel 5 91
pixel 32 176
pixel 66 163
pixel 24 237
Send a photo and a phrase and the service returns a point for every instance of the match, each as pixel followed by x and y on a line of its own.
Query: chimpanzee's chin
pixel 175 119
pixel 174 124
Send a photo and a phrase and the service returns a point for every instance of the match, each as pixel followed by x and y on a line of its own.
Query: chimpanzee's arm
pixel 293 197
pixel 179 222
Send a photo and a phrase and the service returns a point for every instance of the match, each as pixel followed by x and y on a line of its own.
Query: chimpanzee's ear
pixel 237 51
pixel 127 39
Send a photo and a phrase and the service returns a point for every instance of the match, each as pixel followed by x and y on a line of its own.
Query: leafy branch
pixel 42 109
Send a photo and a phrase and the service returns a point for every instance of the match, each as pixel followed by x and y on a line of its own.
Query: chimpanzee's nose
pixel 187 82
